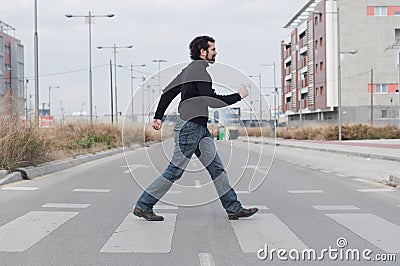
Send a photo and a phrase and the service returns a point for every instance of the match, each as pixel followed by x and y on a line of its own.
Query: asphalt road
pixel 82 216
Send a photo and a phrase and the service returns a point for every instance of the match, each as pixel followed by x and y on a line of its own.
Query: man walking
pixel 191 133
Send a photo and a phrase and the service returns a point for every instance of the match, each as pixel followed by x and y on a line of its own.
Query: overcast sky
pixel 247 33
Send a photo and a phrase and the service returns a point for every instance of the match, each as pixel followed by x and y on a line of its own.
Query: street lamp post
pixel 131 67
pixel 89 18
pixel 259 77
pixel 114 47
pixel 159 61
pixel 275 91
pixel 36 66
pixel 51 87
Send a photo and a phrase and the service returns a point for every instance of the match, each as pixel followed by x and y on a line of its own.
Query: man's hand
pixel 157 123
pixel 243 92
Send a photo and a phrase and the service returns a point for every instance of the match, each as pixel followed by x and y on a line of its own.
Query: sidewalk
pixel 383 149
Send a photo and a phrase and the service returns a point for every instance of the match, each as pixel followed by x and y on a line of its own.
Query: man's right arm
pixel 170 92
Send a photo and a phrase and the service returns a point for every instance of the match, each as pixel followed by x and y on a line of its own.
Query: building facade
pixel 347 48
pixel 11 69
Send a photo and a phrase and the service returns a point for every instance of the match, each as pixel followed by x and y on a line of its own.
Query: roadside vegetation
pixel 349 132
pixel 22 146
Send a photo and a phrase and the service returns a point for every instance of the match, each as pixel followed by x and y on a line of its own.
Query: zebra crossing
pixel 135 235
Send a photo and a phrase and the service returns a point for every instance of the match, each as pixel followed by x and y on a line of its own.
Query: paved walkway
pixel 384 149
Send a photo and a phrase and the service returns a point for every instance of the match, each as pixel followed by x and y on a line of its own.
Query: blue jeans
pixel 192 138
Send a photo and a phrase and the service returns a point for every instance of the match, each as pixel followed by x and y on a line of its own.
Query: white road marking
pixel 335 207
pixel 260 207
pixel 366 190
pixel 133 167
pixel 265 229
pixel 141 236
pixel 362 180
pixel 341 175
pixel 20 188
pixel 66 205
pixel 95 190
pixel 174 192
pixel 242 192
pixel 197 184
pixel 23 232
pixel 326 171
pixel 206 259
pixel 309 191
pixel 372 228
pixel 165 207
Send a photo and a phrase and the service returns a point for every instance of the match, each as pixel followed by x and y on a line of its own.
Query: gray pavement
pixel 82 215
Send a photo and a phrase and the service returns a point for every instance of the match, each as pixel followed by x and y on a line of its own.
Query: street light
pixel 275 91
pixel 259 77
pixel 114 47
pixel 51 87
pixel 159 61
pixel 89 19
pixel 36 66
pixel 131 66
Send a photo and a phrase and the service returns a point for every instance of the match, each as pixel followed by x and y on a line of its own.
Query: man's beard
pixel 211 61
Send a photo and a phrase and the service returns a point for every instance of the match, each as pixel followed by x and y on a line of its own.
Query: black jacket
pixel 195 85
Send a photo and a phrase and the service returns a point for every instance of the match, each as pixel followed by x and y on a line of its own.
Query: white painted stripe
pixel 309 191
pixel 335 207
pixel 341 175
pixel 365 190
pixel 206 259
pixel 141 236
pixel 165 207
pixel 260 207
pixel 20 188
pixel 362 180
pixel 174 192
pixel 372 228
pixel 265 229
pixel 23 232
pixel 326 171
pixel 242 192
pixel 66 205
pixel 95 190
pixel 197 184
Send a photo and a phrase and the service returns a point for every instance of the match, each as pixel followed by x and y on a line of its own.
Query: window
pixel 316 20
pixel 384 113
pixel 321 66
pixel 320 41
pixel 316 68
pixel 316 44
pixel 380 11
pixel 321 90
pixel 381 88
pixel 397 13
pixel 316 91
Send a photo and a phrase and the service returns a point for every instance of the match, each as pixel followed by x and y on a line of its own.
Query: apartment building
pixel 346 48
pixel 11 68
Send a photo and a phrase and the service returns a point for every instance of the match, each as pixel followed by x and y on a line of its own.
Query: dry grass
pixel 22 146
pixel 256 131
pixel 349 132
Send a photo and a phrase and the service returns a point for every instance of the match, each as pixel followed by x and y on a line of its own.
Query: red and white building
pixel 365 46
pixel 11 68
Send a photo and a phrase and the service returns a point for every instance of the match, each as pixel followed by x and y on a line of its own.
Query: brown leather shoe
pixel 243 213
pixel 149 216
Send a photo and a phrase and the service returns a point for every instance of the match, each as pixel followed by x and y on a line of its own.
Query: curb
pixel 356 154
pixel 48 168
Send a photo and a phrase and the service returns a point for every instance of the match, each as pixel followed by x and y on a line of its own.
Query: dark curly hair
pixel 198 43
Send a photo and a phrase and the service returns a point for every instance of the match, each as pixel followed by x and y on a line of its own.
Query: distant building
pixel 369 34
pixel 11 68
